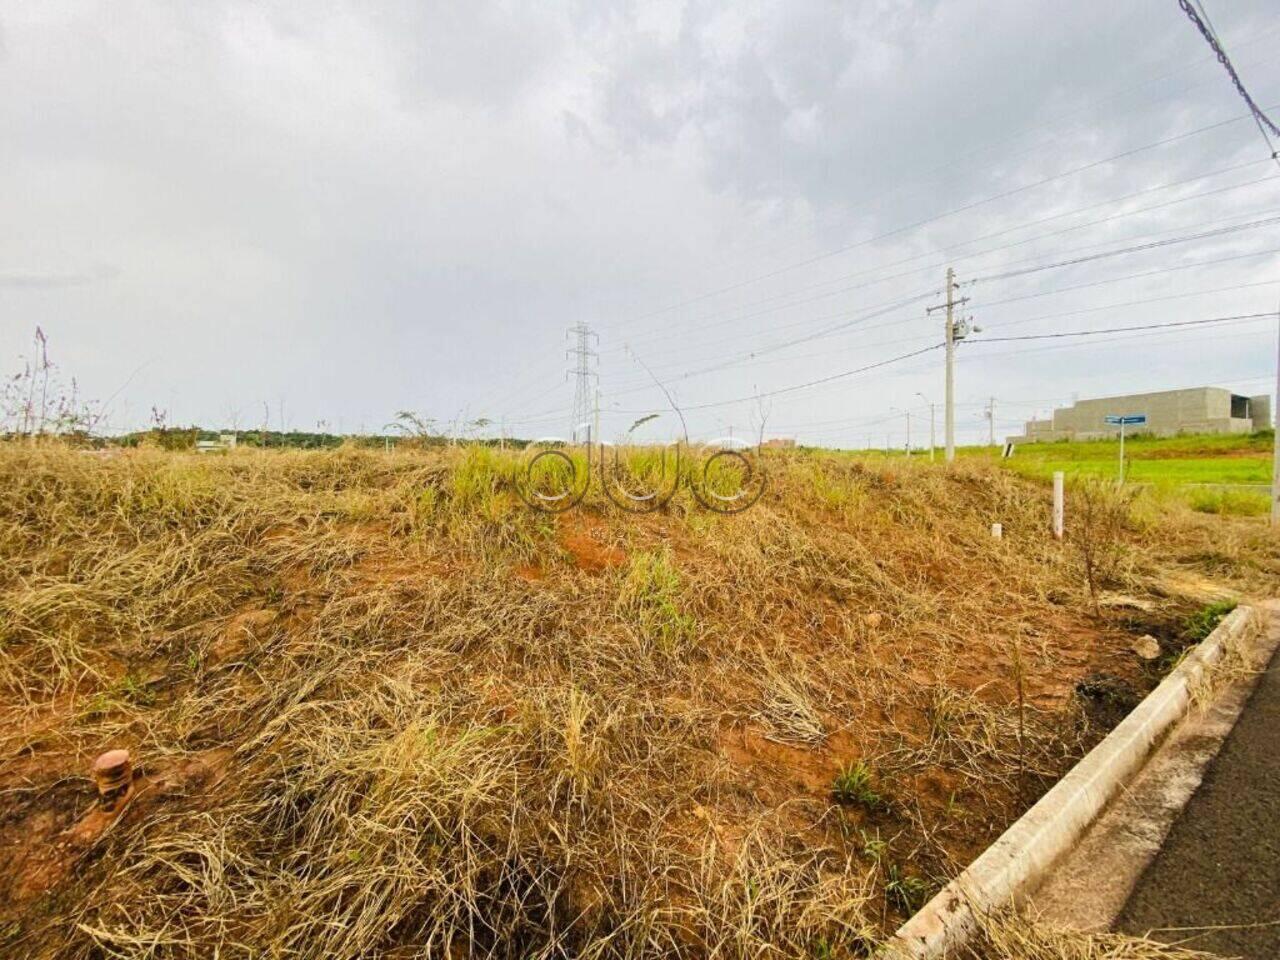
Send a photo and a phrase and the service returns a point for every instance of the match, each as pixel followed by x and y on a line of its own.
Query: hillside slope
pixel 381 708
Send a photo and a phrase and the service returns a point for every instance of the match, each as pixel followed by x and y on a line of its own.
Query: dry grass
pixel 386 710
pixel 1010 937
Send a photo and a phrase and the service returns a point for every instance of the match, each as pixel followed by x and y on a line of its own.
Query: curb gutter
pixel 1019 860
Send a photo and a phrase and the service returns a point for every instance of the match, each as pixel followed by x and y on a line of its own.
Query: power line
pixel 950 213
pixel 1054 123
pixel 825 332
pixel 1127 276
pixel 1146 326
pixel 1150 340
pixel 806 385
pixel 897 341
pixel 550 415
pixel 738 317
pixel 1261 119
pixel 1134 303
pixel 1138 248
pixel 748 356
pixel 935 346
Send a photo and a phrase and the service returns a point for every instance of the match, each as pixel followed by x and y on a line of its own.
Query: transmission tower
pixel 584 396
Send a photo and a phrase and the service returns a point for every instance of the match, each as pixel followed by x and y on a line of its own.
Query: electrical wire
pixel 1093 164
pixel 733 316
pixel 1146 326
pixel 1127 276
pixel 1263 122
pixel 923 350
pixel 898 341
pixel 1138 248
pixel 751 354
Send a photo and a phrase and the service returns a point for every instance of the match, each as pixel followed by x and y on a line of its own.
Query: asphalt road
pixel 1220 865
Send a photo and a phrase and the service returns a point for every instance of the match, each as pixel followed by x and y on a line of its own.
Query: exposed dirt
pixel 585 543
pixel 42 848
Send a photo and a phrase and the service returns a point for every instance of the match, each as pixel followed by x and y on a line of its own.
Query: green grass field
pixel 1212 473
pixel 1231 470
pixel 1189 467
pixel 1191 459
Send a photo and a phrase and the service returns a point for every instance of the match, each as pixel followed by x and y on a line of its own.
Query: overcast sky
pixel 349 209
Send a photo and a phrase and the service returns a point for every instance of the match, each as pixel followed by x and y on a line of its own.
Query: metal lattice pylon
pixel 582 373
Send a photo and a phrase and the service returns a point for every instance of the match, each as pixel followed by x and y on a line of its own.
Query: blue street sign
pixel 1129 421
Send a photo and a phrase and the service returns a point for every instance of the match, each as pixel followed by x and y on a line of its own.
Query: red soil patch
pixel 530 572
pixel 42 848
pixel 585 545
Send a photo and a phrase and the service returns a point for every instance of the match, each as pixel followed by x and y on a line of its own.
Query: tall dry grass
pixel 384 709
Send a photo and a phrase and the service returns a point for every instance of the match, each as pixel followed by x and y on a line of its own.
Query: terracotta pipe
pixel 113 772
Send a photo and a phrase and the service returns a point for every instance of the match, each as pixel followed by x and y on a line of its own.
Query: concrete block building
pixel 1168 412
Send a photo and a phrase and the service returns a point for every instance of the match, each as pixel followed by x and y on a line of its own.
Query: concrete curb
pixel 1019 860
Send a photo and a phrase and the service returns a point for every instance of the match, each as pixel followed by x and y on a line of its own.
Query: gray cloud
pixel 358 208
pixel 43 280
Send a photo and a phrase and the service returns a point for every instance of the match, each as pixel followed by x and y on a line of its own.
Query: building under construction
pixel 1169 412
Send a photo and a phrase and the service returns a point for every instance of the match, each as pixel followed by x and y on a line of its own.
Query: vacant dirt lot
pixel 381 708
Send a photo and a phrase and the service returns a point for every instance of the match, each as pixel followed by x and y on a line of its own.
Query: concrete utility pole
pixel 931 423
pixel 950 416
pixel 1275 466
pixel 991 426
pixel 955 330
pixel 595 425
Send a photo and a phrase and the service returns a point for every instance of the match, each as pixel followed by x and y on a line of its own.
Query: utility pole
pixel 908 434
pixel 932 444
pixel 955 330
pixel 1275 467
pixel 595 422
pixel 991 425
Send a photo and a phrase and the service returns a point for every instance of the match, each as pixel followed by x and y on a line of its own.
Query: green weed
pixel 1203 622
pixel 873 847
pixel 905 892
pixel 854 786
